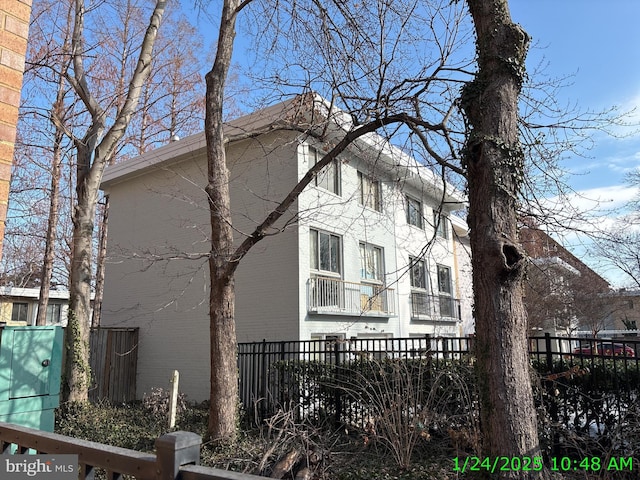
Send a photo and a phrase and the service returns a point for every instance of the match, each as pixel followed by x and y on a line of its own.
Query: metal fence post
pixel 337 391
pixel 174 450
pixel 279 390
pixel 553 400
pixel 549 352
pixel 263 381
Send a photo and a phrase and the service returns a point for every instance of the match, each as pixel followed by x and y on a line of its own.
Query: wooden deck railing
pixel 177 455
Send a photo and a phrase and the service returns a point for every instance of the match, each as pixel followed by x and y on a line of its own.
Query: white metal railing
pixel 335 296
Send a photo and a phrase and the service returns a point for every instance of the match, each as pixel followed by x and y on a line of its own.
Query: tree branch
pixel 261 230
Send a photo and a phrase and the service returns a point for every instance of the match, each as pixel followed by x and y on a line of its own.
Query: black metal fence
pixel 301 374
pixel 585 384
pixel 590 388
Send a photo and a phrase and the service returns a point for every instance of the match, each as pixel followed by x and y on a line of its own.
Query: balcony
pixel 337 297
pixel 434 307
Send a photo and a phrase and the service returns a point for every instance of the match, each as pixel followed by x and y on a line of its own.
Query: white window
pixel 325 252
pixel 371 263
pixel 19 312
pixel 444 280
pixel 329 177
pixel 446 300
pixel 54 311
pixel 325 347
pixel 414 212
pixel 441 224
pixel 369 192
pixel 417 273
pixel 372 297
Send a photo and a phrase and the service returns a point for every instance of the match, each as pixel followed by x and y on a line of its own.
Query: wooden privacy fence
pixel 177 456
pixel 114 360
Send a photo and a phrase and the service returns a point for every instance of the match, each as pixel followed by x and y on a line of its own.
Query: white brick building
pixel 365 251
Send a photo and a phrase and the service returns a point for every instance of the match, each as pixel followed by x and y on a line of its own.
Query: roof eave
pixel 305 113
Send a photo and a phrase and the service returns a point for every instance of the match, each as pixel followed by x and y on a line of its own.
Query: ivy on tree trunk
pixel 495 165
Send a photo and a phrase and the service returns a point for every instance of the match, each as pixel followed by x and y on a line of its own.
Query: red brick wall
pixel 14 29
pixel 538 244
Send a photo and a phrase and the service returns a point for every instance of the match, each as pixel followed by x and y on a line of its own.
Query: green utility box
pixel 30 368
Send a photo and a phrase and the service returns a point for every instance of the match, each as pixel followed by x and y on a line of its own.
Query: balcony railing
pixel 434 307
pixel 334 296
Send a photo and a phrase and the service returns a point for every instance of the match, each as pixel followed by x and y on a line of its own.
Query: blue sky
pixel 596 43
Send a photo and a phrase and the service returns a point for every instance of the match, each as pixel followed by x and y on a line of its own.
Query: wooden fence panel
pixel 114 360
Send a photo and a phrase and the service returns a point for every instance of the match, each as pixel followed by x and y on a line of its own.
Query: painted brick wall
pixel 14 30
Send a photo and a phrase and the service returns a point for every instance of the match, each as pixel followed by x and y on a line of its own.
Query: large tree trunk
pixel 224 366
pixel 495 164
pixel 77 371
pixel 224 375
pixel 94 151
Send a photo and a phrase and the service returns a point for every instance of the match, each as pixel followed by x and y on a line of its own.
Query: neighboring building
pixel 14 30
pixel 626 310
pixel 562 294
pixel 19 306
pixel 365 251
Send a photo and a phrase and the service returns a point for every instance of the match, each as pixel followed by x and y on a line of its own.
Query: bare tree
pixel 23 242
pixel 617 242
pixel 559 297
pixel 362 55
pixel 624 253
pixel 492 163
pixel 52 222
pixel 94 150
pixel 224 258
pixel 65 62
pixel 170 105
pixel 224 387
pixel 619 246
pixel 44 152
pixel 59 111
pixel 173 101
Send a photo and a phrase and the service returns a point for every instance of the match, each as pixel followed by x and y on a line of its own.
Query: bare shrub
pixel 402 402
pixel 157 402
pixel 294 448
